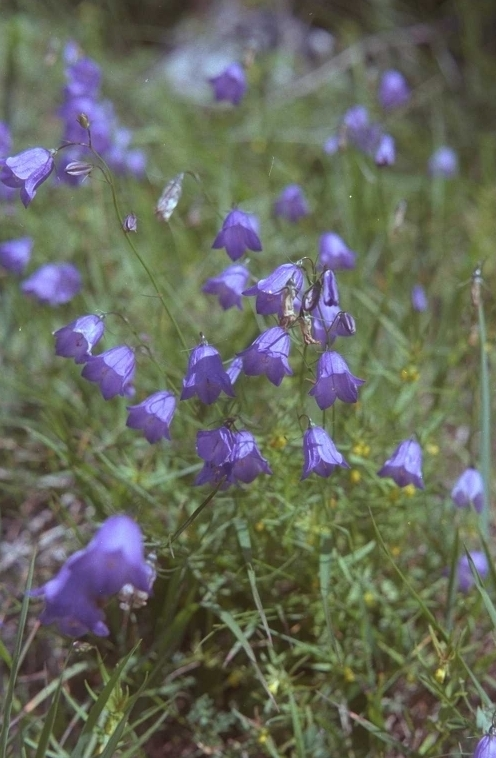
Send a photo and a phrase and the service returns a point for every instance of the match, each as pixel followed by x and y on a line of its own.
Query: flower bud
pixel 83 121
pixel 78 168
pixel 170 197
pixel 130 223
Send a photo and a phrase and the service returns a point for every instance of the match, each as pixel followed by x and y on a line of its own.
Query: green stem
pixel 485 422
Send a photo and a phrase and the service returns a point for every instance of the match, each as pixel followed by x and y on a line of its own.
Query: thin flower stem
pixel 196 513
pixel 485 421
pixel 108 178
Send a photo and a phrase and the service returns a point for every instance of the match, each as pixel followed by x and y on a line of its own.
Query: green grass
pixel 289 618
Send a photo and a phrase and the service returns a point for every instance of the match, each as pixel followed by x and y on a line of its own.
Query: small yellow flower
pixel 259 526
pixel 440 674
pixel 410 374
pixel 409 490
pixel 369 599
pixel 355 476
pixel 348 674
pixel 432 448
pixel 263 736
pixel 278 442
pixel 395 551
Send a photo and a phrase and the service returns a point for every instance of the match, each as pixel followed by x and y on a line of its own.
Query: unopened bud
pixel 130 223
pixel 170 197
pixel 311 297
pixel 83 121
pixel 346 322
pixel 330 288
pixel 78 168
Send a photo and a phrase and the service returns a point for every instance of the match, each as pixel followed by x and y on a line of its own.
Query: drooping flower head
pixel 77 339
pixel 320 453
pixel 228 286
pixel 469 490
pixel 444 163
pixel 334 380
pixel 113 370
pixel 419 298
pixel 26 171
pixel 360 131
pixel 334 253
pixel 486 747
pixel 53 283
pixel 247 462
pixel 464 573
pixel 153 415
pixel 229 455
pixel 269 291
pixel 15 254
pixel 239 233
pixel 405 465
pixel 230 85
pixel 268 355
pixel 112 559
pixel 385 154
pixel 291 204
pixel 393 90
pixel 329 322
pixel 206 376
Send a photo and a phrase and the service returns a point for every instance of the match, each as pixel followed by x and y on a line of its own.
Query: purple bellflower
pixel 153 416
pixel 360 131
pixel 330 292
pixel 15 254
pixel 291 204
pixel 334 380
pixel 486 747
pixel 206 376
pixel 83 78
pixel 77 339
pixel 320 453
pixel 443 162
pixel 385 154
pixel 234 369
pixel 113 370
pixel 334 253
pixel 228 286
pixel 230 455
pixel 247 462
pixel 469 490
pixel 405 465
pixel 230 84
pixel 269 291
pixel 112 559
pixel 393 90
pixel 26 171
pixel 268 355
pixel 464 574
pixel 53 283
pixel 332 144
pixel 419 298
pixel 329 322
pixel 239 233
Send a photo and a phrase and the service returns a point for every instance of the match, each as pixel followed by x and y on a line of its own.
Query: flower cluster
pixel 230 457
pixel 113 559
pixel 83 109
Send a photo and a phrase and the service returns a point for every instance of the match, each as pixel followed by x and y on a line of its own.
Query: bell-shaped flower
pixel 291 204
pixel 83 78
pixel 320 453
pixel 112 559
pixel 215 447
pixel 15 254
pixel 385 154
pixel 77 339
pixel 329 322
pixel 419 298
pixel 330 292
pixel 26 171
pixel 269 291
pixel 443 162
pixel 228 286
pixel 393 90
pixel 464 572
pixel 334 380
pixel 113 370
pixel 405 465
pixel 230 84
pixel 268 355
pixel 486 747
pixel 153 415
pixel 234 369
pixel 239 233
pixel 469 490
pixel 360 131
pixel 334 253
pixel 246 461
pixel 53 283
pixel 206 376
